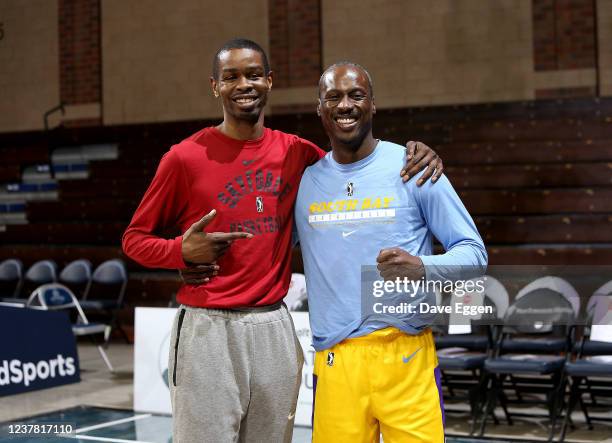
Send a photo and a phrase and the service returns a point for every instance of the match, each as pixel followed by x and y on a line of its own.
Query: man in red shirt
pixel 235 362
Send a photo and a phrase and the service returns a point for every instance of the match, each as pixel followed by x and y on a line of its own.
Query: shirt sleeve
pixel 312 153
pixel 447 219
pixel 162 206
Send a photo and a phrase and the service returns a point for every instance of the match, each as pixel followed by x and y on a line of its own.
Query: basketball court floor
pixel 121 426
pixel 99 409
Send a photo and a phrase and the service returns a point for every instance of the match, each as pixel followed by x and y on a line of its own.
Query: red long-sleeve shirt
pixel 252 185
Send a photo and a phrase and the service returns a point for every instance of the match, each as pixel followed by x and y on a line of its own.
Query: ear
pixel 213 86
pixel 373 108
pixel 319 107
pixel 269 78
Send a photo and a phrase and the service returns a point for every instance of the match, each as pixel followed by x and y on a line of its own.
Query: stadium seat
pixel 11 274
pixel 547 317
pixel 106 292
pixel 55 296
pixel 590 374
pixel 40 273
pixel 461 356
pixel 76 275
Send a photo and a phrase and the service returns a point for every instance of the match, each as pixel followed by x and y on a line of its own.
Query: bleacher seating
pixel 16 155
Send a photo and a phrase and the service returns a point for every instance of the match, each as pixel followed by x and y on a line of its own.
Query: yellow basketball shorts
pixel 386 382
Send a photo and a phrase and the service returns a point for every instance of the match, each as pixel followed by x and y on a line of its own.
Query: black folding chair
pixel 461 356
pixel 11 278
pixel 530 356
pixel 40 273
pixel 56 297
pixel 105 293
pixel 76 275
pixel 590 374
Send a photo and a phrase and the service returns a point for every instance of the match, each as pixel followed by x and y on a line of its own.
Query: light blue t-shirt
pixel 346 213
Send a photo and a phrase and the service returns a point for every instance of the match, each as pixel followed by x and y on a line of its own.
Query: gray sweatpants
pixel 234 376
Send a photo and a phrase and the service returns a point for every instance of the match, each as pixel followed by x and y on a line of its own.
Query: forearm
pixel 465 260
pixel 152 251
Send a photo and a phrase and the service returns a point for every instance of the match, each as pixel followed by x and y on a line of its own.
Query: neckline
pixel 355 165
pixel 243 144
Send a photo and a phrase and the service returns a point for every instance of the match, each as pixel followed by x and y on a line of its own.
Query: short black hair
pixel 239 43
pixel 354 65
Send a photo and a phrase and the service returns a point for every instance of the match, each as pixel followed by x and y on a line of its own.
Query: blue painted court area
pixel 92 424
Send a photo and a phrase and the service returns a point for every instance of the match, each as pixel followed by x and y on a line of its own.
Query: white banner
pixel 151 346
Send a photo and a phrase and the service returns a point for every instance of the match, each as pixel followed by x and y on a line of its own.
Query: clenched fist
pixel 396 263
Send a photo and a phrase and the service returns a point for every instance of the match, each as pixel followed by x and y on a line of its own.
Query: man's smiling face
pixel 243 83
pixel 346 105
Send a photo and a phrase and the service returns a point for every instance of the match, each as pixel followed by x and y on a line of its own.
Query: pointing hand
pixel 207 247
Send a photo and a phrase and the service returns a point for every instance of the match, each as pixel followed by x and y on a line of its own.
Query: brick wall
pixel 564 34
pixel 564 38
pixel 80 61
pixel 544 35
pixel 295 42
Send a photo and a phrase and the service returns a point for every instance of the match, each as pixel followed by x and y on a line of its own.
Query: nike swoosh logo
pixel 346 234
pixel 247 162
pixel 407 359
pixel 291 416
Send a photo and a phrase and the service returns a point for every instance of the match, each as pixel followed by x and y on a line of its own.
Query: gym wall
pixel 123 62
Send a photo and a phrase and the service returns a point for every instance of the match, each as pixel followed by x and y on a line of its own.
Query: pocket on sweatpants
pixel 298 346
pixel 175 349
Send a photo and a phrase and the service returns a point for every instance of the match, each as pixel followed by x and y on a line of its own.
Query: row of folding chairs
pixel 100 290
pixel 528 352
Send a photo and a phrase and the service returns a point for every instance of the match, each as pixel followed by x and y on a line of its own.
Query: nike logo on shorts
pixel 346 234
pixel 407 359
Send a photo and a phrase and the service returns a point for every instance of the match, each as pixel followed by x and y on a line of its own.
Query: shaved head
pixel 351 64
pixel 346 107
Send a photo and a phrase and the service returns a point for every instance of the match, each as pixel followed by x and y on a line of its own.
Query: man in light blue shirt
pixel 355 218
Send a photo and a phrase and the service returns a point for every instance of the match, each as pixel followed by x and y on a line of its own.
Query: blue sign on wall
pixel 37 350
